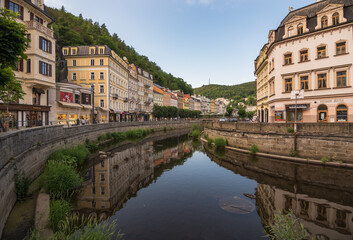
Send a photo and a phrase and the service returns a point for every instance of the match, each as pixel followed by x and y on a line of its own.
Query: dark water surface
pixel 174 189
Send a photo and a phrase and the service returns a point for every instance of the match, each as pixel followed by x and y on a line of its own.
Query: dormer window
pixel 91 51
pixel 335 18
pixel 73 51
pixel 65 52
pixel 101 51
pixel 290 31
pixel 300 29
pixel 324 22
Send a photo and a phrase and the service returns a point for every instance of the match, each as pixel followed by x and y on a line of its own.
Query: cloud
pixel 200 2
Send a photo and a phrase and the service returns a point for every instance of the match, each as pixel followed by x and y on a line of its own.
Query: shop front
pixel 290 112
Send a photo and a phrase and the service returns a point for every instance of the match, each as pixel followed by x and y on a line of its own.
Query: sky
pixel 197 40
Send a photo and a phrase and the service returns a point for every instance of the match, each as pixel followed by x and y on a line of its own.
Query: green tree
pixel 13 44
pixel 11 91
pixel 242 113
pixel 229 110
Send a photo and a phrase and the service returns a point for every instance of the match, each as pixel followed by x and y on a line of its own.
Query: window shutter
pixel 7 4
pixel 40 43
pixel 49 46
pixel 40 67
pixel 21 12
pixel 21 65
pixel 50 70
pixel 32 16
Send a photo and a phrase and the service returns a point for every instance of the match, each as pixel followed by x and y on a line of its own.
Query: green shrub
pixel 206 136
pixel 137 133
pixel 152 130
pixel 59 210
pixel 197 127
pixel 220 143
pixel 69 160
pixel 196 134
pixel 324 159
pixel 92 147
pixel 119 136
pixel 22 184
pixel 290 130
pixel 108 135
pixel 254 149
pixel 209 141
pixel 286 227
pixel 293 153
pixel 32 234
pixel 101 138
pixel 80 152
pixel 60 180
pixel 165 129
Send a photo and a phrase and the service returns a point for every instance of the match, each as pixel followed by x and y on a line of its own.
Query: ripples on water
pixel 174 189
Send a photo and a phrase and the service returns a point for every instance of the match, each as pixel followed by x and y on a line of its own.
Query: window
pixel 93 190
pixel 288 59
pixel 65 52
pixel 300 29
pixel 101 103
pixel 92 76
pixel 91 51
pixel 324 22
pixel 304 56
pixel 20 66
pixel 29 38
pixel 38 19
pixel 288 84
pixel 101 62
pixel 102 174
pixel 15 8
pixel 92 62
pixel 101 75
pixel 340 48
pixel 45 45
pixel 73 51
pixel 335 18
pixel 322 80
pixel 28 65
pixel 45 69
pixel 73 76
pixel 290 31
pixel 322 113
pixel 101 89
pixel 342 113
pixel 101 50
pixel 304 82
pixel 102 190
pixel 341 79
pixel 321 52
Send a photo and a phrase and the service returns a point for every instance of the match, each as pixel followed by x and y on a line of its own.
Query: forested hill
pixel 235 92
pixel 71 30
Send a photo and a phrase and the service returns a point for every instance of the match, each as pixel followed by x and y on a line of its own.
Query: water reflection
pixel 119 174
pixel 323 205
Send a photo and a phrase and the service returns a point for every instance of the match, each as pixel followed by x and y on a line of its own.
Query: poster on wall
pixel 66 97
pixel 279 116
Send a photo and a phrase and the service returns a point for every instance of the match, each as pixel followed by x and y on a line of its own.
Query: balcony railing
pixel 115 96
pixel 126 99
pixel 40 27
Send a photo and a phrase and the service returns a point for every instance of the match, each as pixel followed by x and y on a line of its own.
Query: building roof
pixel 157 89
pixel 310 12
pixel 39 9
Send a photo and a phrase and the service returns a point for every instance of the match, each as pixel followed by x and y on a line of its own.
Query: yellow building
pixel 102 67
pixel 213 106
pixel 37 72
pixel 261 72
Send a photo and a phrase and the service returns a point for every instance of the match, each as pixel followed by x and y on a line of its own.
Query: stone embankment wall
pixel 29 149
pixel 314 140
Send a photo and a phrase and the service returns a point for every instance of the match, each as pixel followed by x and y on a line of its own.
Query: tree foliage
pixel 229 111
pixel 235 92
pixel 13 44
pixel 11 91
pixel 173 112
pixel 71 30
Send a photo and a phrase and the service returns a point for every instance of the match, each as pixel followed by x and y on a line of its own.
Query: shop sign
pixel 299 106
pixel 66 97
pixel 279 116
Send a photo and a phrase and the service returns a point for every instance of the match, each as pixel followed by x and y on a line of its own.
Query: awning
pixel 38 91
pixel 86 106
pixel 104 109
pixel 298 106
pixel 72 105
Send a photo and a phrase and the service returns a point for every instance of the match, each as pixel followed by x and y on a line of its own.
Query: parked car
pixel 233 120
pixel 222 120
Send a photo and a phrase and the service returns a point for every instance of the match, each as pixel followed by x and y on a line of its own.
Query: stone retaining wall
pixel 29 149
pixel 316 142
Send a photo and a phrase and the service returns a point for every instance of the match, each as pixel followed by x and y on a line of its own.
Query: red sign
pixel 66 97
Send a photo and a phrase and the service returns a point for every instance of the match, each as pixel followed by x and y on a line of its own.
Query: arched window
pixel 322 113
pixel 324 22
pixel 335 18
pixel 300 29
pixel 342 113
pixel 290 31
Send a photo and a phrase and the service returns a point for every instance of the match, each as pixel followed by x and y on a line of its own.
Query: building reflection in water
pixel 117 176
pixel 322 219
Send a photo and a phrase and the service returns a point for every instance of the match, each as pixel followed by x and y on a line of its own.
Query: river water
pixel 177 189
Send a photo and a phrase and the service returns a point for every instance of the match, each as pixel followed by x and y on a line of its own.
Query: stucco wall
pixel 29 150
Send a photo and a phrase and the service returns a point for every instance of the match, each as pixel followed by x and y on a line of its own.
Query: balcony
pixel 41 28
pixel 125 99
pixel 147 85
pixel 115 96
